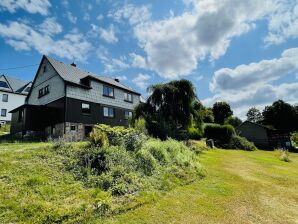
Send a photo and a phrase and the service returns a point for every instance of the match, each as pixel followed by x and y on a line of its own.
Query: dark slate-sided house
pixel 264 137
pixel 67 102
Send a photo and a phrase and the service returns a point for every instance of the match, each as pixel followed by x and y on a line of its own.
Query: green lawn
pixel 240 187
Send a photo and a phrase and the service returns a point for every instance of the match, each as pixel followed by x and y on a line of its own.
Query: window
pixel 21 115
pixel 127 114
pixel 44 68
pixel 108 91
pixel 86 108
pixel 5 98
pixel 72 128
pixel 3 112
pixel 43 91
pixel 3 84
pixel 128 97
pixel 108 112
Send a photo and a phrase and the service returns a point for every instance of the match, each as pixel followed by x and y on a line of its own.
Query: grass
pixel 240 187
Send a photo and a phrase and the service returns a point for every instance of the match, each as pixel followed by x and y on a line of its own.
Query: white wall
pixel 95 95
pixel 14 101
pixel 51 78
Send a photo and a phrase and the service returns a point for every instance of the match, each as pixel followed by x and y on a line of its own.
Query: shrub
pixel 234 121
pixel 294 139
pixel 194 133
pixel 237 142
pixel 98 138
pixel 146 162
pixel 221 134
pixel 115 134
pixel 283 155
pixel 140 125
pixel 133 141
pixel 103 202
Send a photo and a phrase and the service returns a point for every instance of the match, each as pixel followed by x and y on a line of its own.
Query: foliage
pixel 283 155
pixel 221 134
pixel 294 139
pixel 221 111
pixel 170 110
pixel 140 125
pixel 194 133
pixel 115 134
pixel 233 121
pixel 281 116
pixel 254 115
pixel 98 138
pixel 4 129
pixel 129 168
pixel 238 142
pixel 207 115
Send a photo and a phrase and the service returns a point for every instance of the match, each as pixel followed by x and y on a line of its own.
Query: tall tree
pixel 171 108
pixel 234 121
pixel 221 111
pixel 254 115
pixel 282 116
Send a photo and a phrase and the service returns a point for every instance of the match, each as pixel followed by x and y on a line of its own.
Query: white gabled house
pixel 13 93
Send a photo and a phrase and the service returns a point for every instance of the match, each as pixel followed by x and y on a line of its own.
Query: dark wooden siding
pixel 74 114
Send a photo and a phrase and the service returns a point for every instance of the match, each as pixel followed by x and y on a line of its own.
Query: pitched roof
pixel 260 125
pixel 16 85
pixel 74 75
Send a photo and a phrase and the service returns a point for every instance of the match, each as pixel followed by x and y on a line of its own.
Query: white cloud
pixel 31 6
pixel 71 18
pixel 138 61
pixel 100 17
pixel 111 64
pixel 141 80
pixel 133 14
pixel 283 23
pixel 108 35
pixel 50 27
pixel 251 85
pixel 245 77
pixel 175 45
pixel 23 37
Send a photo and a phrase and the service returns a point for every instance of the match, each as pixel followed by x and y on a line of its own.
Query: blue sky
pixel 243 52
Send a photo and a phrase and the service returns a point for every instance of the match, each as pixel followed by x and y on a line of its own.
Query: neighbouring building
pixel 12 95
pixel 67 102
pixel 264 137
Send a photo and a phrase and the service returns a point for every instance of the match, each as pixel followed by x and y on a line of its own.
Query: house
pixel 67 102
pixel 12 95
pixel 264 137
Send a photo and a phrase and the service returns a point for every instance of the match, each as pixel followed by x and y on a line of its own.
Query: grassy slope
pixel 240 187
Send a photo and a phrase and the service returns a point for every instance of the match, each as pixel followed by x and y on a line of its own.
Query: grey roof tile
pixel 16 84
pixel 73 74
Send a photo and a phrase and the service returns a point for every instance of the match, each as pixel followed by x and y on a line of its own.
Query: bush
pixel 294 139
pixel 194 133
pixel 234 121
pixel 99 138
pixel 115 134
pixel 140 125
pixel 221 134
pixel 133 141
pixel 146 162
pixel 237 142
pixel 283 155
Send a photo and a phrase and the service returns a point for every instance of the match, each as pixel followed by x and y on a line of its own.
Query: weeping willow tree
pixel 171 109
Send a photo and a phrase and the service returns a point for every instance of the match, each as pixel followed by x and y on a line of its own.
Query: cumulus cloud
pixel 283 23
pixel 31 6
pixel 130 12
pixel 71 18
pixel 111 64
pixel 108 35
pixel 252 84
pixel 245 77
pixel 21 36
pixel 138 61
pixel 141 80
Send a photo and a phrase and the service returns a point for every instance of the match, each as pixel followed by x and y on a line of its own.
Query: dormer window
pixel 108 91
pixel 128 97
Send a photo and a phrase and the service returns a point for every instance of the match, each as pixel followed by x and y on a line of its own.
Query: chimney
pixel 73 64
pixel 117 80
